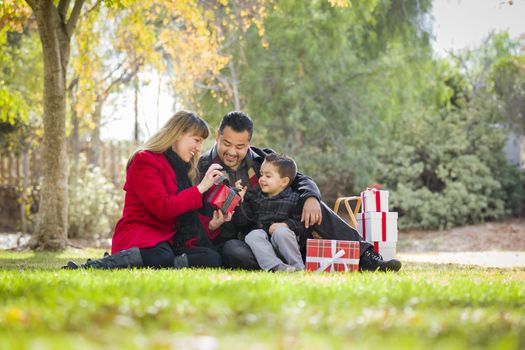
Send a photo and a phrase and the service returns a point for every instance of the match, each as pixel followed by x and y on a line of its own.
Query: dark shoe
pixel 372 261
pixel 70 266
pixel 123 259
pixel 284 268
pixel 181 261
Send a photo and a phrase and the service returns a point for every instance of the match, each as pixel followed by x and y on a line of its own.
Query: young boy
pixel 275 214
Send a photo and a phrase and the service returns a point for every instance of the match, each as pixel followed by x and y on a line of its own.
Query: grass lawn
pixel 423 306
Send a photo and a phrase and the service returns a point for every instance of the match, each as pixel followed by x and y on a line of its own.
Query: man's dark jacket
pixel 302 184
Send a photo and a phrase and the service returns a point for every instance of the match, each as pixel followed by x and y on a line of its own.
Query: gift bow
pixel 331 261
pixel 220 179
pixel 374 188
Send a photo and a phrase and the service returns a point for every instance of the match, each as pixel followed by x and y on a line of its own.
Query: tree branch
pixel 73 19
pixel 73 83
pixel 207 88
pixel 94 7
pixel 31 4
pixel 124 78
pixel 63 6
pixel 110 74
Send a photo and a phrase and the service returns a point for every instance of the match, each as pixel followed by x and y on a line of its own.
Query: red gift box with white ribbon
pixel 325 255
pixel 377 226
pixel 373 199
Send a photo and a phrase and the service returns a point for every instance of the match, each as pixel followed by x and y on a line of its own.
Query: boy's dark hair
pixel 285 165
pixel 238 121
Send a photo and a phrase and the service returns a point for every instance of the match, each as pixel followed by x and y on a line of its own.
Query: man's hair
pixel 285 165
pixel 238 121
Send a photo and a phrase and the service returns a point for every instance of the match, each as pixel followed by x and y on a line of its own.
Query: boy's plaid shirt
pixel 261 211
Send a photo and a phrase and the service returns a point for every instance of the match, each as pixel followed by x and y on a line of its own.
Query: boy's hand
pixel 218 219
pixel 242 189
pixel 311 214
pixel 275 226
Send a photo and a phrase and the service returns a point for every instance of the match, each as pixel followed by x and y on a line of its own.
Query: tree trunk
pixel 94 157
pixel 55 35
pixel 136 131
pixel 235 86
pixel 25 180
pixel 74 138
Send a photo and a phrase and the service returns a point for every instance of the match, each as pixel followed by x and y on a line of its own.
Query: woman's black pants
pixel 163 255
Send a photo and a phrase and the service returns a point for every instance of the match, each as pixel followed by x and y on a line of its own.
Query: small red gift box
pixel 223 197
pixel 332 255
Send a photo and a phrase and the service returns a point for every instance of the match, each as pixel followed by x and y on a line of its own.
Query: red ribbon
pixel 376 247
pixel 363 223
pixel 378 201
pixel 383 226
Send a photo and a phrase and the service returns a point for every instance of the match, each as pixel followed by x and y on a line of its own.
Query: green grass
pixel 424 306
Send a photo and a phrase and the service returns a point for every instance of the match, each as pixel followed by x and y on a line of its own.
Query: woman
pixel 160 226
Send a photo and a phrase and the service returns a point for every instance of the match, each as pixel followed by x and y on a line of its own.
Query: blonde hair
pixel 181 123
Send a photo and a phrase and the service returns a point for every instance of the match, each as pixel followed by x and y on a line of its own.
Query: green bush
pixel 94 203
pixel 445 170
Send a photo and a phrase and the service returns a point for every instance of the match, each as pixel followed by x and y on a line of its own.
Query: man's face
pixel 232 146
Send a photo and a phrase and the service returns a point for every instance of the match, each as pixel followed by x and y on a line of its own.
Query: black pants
pixel 162 255
pixel 237 254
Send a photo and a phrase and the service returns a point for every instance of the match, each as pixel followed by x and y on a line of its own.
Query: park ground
pixel 434 305
pixel 493 244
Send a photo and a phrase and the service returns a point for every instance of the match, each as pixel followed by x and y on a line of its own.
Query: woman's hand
pixel 209 178
pixel 242 189
pixel 218 219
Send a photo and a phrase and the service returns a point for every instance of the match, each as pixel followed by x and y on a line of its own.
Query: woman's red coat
pixel 152 204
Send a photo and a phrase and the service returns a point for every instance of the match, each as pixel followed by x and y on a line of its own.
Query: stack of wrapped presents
pixel 376 224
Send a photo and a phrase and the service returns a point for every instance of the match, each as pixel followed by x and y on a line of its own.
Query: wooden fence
pixel 16 168
pixel 20 173
pixel 113 159
pixel 26 168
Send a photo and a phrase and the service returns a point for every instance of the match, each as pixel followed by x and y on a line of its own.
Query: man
pixel 241 161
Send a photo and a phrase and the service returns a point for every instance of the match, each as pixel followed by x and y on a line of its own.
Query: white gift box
pixel 386 249
pixel 377 226
pixel 374 200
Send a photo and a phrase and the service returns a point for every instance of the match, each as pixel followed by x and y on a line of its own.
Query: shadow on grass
pixel 28 260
